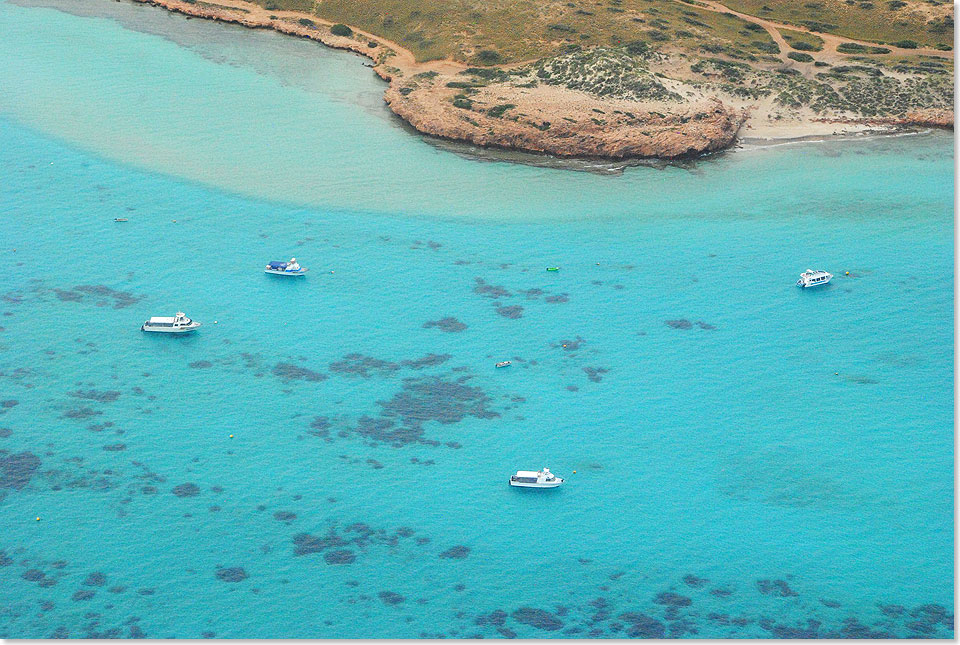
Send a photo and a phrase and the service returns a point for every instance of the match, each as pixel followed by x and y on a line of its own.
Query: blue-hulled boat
pixel 285 268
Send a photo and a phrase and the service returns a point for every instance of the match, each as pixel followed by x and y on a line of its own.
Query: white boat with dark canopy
pixel 536 479
pixel 285 268
pixel 178 324
pixel 811 278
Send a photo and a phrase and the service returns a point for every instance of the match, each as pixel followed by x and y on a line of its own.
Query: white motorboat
pixel 811 278
pixel 178 324
pixel 536 479
pixel 285 268
pixel 504 364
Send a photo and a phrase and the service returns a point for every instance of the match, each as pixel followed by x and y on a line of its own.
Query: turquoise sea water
pixel 743 458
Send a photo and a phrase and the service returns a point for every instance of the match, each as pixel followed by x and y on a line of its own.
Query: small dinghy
pixel 178 324
pixel 536 479
pixel 811 278
pixel 553 268
pixel 120 219
pixel 504 364
pixel 285 268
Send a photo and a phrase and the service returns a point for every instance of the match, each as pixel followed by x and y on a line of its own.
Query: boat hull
pixel 552 484
pixel 804 285
pixel 289 273
pixel 167 330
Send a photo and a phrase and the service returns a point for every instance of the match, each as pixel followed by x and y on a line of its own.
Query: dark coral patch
pixel 481 288
pixel 693 581
pixel 83 594
pixel 201 365
pixel 681 323
pixel 106 396
pixel 777 588
pixel 16 470
pixel 360 365
pixel 705 326
pixel 231 574
pixel 557 298
pixel 291 372
pixel 672 599
pixel 643 626
pixel 284 516
pixel 5 432
pixel 339 556
pixel 456 552
pixel 497 618
pixel 595 374
pixel 430 360
pixel 513 311
pixel 81 413
pixel 391 597
pixel 115 447
pixel 33 575
pixel 538 618
pixel 95 579
pixel 448 324
pixel 187 489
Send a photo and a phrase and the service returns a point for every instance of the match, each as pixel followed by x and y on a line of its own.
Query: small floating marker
pixel 215 322
pixel 553 268
pixel 836 373
pixel 38 518
pixel 231 436
pixel 846 273
pixel 574 472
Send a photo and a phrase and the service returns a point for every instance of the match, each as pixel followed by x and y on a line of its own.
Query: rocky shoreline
pixel 528 117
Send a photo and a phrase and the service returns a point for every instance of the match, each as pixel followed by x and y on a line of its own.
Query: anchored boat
pixel 178 324
pixel 811 278
pixel 503 364
pixel 536 479
pixel 285 268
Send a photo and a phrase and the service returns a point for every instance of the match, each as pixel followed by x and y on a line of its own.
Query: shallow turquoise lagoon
pixel 743 458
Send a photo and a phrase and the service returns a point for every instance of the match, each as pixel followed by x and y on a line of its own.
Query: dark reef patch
pixel 681 323
pixel 497 618
pixel 200 365
pixel 430 360
pixel 284 516
pixel 83 594
pixel 340 556
pixel 95 579
pixel 705 326
pixel 672 599
pixel 291 372
pixel 456 553
pixel 481 288
pixel 538 618
pixel 121 299
pixel 777 588
pixel 512 312
pixel 693 581
pixel 360 365
pixel 570 345
pixel 595 374
pixel 187 489
pixel 643 626
pixel 231 574
pixel 81 413
pixel 391 597
pixel 107 396
pixel 558 298
pixel 447 324
pixel 16 470
pixel 115 447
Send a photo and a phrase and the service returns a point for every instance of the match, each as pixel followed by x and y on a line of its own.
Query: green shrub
pixel 497 111
pixel 905 44
pixel 463 103
pixel 803 46
pixel 800 57
pixel 637 47
pixel 306 22
pixel 489 57
pixel 341 30
pixel 373 44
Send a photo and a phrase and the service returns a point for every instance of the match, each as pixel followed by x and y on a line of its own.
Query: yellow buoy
pixel 574 472
pixel 846 273
pixel 38 518
pixel 231 436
